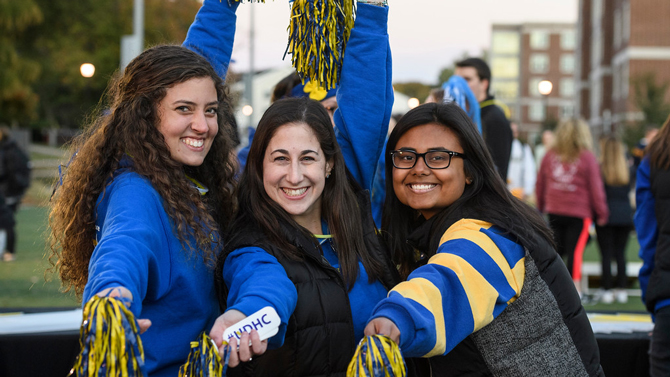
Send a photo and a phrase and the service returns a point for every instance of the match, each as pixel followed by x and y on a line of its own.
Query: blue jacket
pixel 646 227
pixel 137 249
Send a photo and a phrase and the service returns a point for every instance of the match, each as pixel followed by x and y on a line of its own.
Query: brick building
pixel 522 56
pixel 620 41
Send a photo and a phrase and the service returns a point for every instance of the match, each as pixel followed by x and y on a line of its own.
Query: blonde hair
pixel 613 162
pixel 572 137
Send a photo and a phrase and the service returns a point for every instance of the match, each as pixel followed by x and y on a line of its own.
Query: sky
pixel 425 35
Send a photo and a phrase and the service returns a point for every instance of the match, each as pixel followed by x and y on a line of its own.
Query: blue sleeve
pixel 473 277
pixel 212 33
pixel 133 250
pixel 365 94
pixel 255 279
pixel 645 224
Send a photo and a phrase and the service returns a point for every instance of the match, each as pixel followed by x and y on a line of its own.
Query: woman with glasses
pixel 486 293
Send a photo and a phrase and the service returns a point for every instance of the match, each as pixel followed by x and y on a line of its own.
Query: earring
pixel 327 175
pixel 468 180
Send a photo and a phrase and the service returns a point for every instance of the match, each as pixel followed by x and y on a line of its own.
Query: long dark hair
pixel 127 127
pixel 659 148
pixel 339 206
pixel 487 196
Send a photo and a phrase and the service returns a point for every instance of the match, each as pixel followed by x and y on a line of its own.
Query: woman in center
pixel 303 242
pixel 486 293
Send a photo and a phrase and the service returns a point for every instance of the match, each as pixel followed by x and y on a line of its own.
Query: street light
pixel 545 87
pixel 87 69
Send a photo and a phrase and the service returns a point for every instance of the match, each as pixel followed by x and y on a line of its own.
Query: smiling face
pixel 424 189
pixel 188 120
pixel 294 173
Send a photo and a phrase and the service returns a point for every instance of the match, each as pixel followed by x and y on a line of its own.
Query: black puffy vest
pixel 320 337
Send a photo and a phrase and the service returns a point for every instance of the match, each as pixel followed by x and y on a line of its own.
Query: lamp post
pixel 545 87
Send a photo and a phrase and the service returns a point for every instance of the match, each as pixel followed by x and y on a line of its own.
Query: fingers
pixel 216 333
pixel 246 348
pixel 258 347
pixel 144 325
pixel 117 292
pixel 383 326
pixel 234 356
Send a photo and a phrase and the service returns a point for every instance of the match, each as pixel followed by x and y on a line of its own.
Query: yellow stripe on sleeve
pixel 425 293
pixel 481 294
pixel 470 230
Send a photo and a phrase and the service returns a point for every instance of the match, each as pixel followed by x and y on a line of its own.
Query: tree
pixel 89 31
pixel 413 89
pixel 650 98
pixel 17 99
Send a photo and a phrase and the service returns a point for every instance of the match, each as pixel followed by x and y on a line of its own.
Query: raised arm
pixel 212 33
pixel 365 95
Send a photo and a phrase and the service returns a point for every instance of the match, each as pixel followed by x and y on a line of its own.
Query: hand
pixel 123 292
pixel 383 326
pixel 120 292
pixel 249 344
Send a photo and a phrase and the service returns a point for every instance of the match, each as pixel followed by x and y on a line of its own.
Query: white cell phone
pixel 266 321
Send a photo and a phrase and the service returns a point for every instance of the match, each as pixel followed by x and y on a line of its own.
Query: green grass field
pixel 22 282
pixel 23 285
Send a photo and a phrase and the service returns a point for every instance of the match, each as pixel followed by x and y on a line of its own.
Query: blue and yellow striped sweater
pixel 475 274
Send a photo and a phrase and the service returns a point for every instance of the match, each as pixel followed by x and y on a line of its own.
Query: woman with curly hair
pixel 142 205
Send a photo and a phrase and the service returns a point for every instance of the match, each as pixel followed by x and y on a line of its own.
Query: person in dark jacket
pixel 14 182
pixel 486 293
pixel 495 122
pixel 652 224
pixel 613 236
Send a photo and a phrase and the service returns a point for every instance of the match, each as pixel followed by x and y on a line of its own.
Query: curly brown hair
pixel 127 125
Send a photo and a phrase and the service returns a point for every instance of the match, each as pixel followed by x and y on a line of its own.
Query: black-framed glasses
pixel 438 159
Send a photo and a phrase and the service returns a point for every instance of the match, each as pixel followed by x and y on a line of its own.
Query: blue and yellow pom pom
pixel 377 356
pixel 318 34
pixel 109 340
pixel 204 359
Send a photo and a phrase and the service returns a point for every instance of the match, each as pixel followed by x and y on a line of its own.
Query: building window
pixel 536 111
pixel 567 88
pixel 618 29
pixel 505 42
pixel 616 82
pixel 625 80
pixel 567 111
pixel 626 22
pixel 568 40
pixel 505 67
pixel 568 63
pixel 539 40
pixel 539 63
pixel 505 90
pixel 533 87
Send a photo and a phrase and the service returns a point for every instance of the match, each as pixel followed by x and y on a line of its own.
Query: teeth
pixel 296 192
pixel 422 187
pixel 193 142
